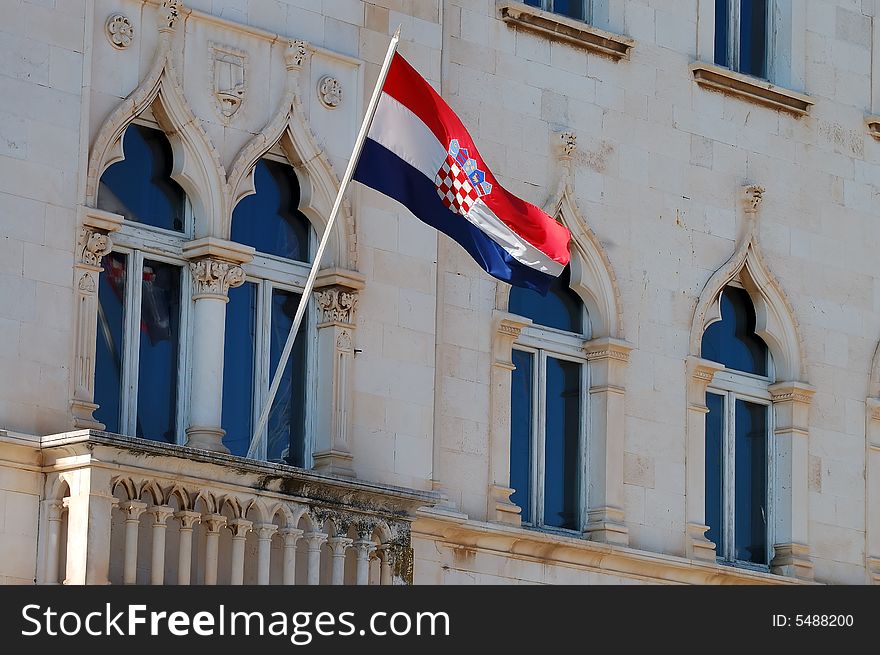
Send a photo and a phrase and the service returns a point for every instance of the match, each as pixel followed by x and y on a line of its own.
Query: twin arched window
pixel 738 508
pixel 548 407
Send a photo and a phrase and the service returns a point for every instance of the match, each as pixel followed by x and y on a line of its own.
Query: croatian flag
pixel 418 152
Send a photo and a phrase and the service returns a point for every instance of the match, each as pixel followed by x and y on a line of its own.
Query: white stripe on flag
pixel 403 133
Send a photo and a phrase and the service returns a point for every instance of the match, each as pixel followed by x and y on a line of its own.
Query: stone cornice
pixel 703 370
pixel 607 348
pixel 227 251
pixel 509 325
pixel 520 543
pixel 98 219
pixel 753 89
pixel 561 28
pixel 339 277
pixel 799 392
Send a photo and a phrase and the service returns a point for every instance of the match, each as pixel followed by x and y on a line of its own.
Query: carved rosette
pixel 336 305
pixel 92 246
pixel 330 91
pixel 213 278
pixel 119 30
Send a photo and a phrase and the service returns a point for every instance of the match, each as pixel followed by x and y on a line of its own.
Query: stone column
pixel 184 558
pixel 791 408
pixel 215 267
pixel 313 561
pixel 161 514
pixel 608 361
pixel 133 510
pixel 386 566
pixel 336 296
pixel 213 523
pixel 290 537
pixel 264 551
pixel 89 517
pixel 363 547
pixel 700 373
pixel 508 327
pixel 93 243
pixel 54 510
pixel 338 545
pixel 872 502
pixel 240 528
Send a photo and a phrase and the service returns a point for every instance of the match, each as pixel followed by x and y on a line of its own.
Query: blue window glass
pixel 722 31
pixel 732 340
pixel 571 8
pixel 286 425
pixel 715 470
pixel 533 3
pixel 521 433
pixel 562 443
pixel 238 367
pixel 269 219
pixel 110 341
pixel 753 37
pixel 750 528
pixel 561 308
pixel 140 187
pixel 157 361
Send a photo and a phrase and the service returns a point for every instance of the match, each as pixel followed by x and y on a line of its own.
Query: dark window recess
pixel 750 527
pixel 561 308
pixel 722 32
pixel 110 341
pixel 238 368
pixel 140 187
pixel 521 427
pixel 562 444
pixel 269 220
pixel 753 37
pixel 732 340
pixel 158 357
pixel 286 425
pixel 715 470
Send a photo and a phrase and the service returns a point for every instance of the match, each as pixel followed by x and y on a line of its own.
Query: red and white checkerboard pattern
pixel 454 188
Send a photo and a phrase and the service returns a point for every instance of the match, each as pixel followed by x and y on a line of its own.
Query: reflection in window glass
pixel 714 470
pixel 110 341
pixel 159 339
pixel 286 425
pixel 269 219
pixel 561 450
pixel 732 340
pixel 561 308
pixel 753 37
pixel 751 482
pixel 140 187
pixel 521 433
pixel 238 367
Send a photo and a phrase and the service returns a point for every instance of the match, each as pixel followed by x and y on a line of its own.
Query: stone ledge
pixel 752 89
pixel 567 30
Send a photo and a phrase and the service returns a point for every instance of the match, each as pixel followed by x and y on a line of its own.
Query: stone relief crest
pixel 229 81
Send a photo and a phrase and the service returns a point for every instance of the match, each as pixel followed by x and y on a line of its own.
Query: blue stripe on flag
pixel 382 170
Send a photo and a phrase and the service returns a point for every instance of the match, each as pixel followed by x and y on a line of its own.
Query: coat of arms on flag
pixel 459 181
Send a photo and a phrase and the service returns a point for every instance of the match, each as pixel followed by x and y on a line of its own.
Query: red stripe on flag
pixel 410 89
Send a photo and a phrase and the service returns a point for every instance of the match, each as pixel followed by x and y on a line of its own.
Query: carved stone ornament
pixel 119 30
pixel 92 246
pixel 168 14
pixel 336 305
pixel 228 73
pixel 295 55
pixel 330 91
pixel 87 283
pixel 343 341
pixel 214 278
pixel 569 143
pixel 754 194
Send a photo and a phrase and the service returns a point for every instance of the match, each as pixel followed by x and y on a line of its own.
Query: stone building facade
pixel 714 167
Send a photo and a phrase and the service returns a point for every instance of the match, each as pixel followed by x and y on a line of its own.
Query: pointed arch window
pixel 548 407
pixel 259 315
pixel 738 427
pixel 141 350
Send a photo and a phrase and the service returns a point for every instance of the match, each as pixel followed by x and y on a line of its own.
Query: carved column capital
pixel 54 510
pixel 91 246
pixel 213 522
pixel 187 519
pixel 314 539
pixel 212 278
pixel 290 535
pixel 338 545
pixel 336 304
pixel 133 509
pixel 239 527
pixel 264 531
pixel 161 514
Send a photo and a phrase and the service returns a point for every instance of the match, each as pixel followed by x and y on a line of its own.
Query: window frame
pixel 542 342
pixel 733 19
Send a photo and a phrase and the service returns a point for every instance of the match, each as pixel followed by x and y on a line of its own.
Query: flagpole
pixel 257 437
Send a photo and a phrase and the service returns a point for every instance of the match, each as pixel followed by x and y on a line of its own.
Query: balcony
pixel 120 510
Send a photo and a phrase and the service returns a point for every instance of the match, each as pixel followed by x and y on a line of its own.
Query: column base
pixel 501 510
pixel 605 525
pixel 204 438
pixel 697 546
pixel 334 462
pixel 792 560
pixel 82 415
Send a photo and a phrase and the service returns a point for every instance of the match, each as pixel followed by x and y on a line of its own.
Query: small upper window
pixel 561 308
pixel 140 187
pixel 741 35
pixel 732 340
pixel 269 220
pixel 577 9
